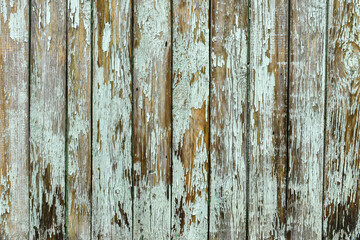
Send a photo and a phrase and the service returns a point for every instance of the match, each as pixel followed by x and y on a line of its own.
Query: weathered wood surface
pixel 306 118
pixel 190 119
pixel 184 119
pixel 342 170
pixel 229 53
pixel 268 119
pixel 79 119
pixel 112 121
pixel 47 119
pixel 152 119
pixel 14 102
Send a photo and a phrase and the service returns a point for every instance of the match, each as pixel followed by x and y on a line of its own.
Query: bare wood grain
pixel 268 119
pixel 190 119
pixel 342 159
pixel 14 99
pixel 112 132
pixel 228 119
pixel 79 116
pixel 152 119
pixel 306 119
pixel 47 119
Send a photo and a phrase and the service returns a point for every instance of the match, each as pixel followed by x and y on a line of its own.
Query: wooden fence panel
pixel 306 118
pixel 268 118
pixel 47 119
pixel 229 56
pixel 112 121
pixel 152 119
pixel 190 119
pixel 342 170
pixel 14 123
pixel 79 119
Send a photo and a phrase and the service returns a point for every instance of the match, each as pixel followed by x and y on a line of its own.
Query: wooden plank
pixel 79 116
pixel 190 119
pixel 112 132
pixel 342 170
pixel 14 147
pixel 47 119
pixel 152 119
pixel 268 119
pixel 306 119
pixel 229 52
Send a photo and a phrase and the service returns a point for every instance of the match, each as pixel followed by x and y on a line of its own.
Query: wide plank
pixel 190 119
pixel 112 121
pixel 152 119
pixel 79 119
pixel 47 119
pixel 268 119
pixel 342 159
pixel 306 118
pixel 14 122
pixel 229 53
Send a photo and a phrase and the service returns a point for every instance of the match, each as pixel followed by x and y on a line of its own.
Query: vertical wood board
pixel 14 122
pixel 229 51
pixel 268 119
pixel 152 119
pixel 190 119
pixel 112 121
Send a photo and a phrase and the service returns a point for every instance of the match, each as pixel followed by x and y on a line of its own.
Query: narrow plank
pixel 47 119
pixel 342 170
pixel 79 116
pixel 14 147
pixel 190 119
pixel 112 132
pixel 268 119
pixel 152 119
pixel 306 118
pixel 229 50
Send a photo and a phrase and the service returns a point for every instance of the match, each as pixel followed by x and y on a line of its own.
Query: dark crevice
pixel 132 115
pixel 91 109
pixel 29 119
pixel 66 125
pixel 171 117
pixel 209 114
pixel 287 116
pixel 247 152
pixel 325 114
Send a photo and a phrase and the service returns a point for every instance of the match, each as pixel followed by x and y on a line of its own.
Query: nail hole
pixel 166 44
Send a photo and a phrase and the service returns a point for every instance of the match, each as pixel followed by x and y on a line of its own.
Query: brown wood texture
pixel 152 119
pixel 190 119
pixel 79 119
pixel 47 119
pixel 268 118
pixel 229 53
pixel 306 118
pixel 112 121
pixel 14 119
pixel 184 119
pixel 342 186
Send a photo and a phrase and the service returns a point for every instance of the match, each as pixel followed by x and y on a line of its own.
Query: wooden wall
pixel 179 119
